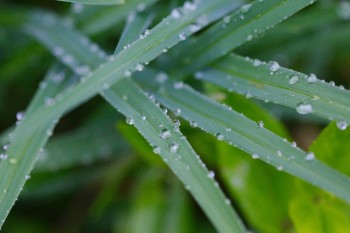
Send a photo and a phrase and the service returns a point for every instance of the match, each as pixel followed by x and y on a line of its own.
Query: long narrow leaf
pixel 248 22
pixel 175 151
pixel 249 136
pixel 24 147
pixel 259 80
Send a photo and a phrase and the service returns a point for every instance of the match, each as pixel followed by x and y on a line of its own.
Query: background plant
pixel 178 67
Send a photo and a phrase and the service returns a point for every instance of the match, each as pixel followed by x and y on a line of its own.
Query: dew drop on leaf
pixel 156 150
pixel 273 66
pixel 311 78
pixel 211 174
pixel 310 156
pixel 129 120
pixel 165 133
pixel 173 147
pixel 260 124
pixel 3 156
pixel 220 136
pixel 193 124
pixel 293 79
pixel 255 156
pixel 303 108
pixel 342 125
pixel 20 116
pixel 182 36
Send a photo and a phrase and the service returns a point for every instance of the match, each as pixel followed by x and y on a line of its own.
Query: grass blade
pixel 175 151
pixel 47 28
pixel 287 87
pixel 246 134
pixel 248 22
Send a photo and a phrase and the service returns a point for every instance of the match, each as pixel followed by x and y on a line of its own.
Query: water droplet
pixel 279 167
pixel 139 67
pixel 310 156
pixel 227 19
pixel 49 101
pixel 27 177
pixel 311 78
pixel 161 77
pixel 246 7
pixel 193 124
pixel 165 111
pixel 143 117
pixel 279 153
pixel 129 120
pixel 77 8
pixel 20 116
pixel 173 147
pixel 256 62
pixel 260 124
pixel 127 73
pixel 3 156
pixel 189 6
pixel 303 108
pixel 211 174
pixel 342 125
pixel 182 36
pixel 294 144
pixel 178 85
pixel 293 79
pixel 165 133
pixel 175 13
pixel 228 129
pixel 177 112
pixel 157 150
pixel 274 66
pixel 176 123
pixel 255 156
pixel 6 147
pixel 220 136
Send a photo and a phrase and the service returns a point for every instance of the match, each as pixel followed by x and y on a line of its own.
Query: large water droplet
pixel 182 36
pixel 342 125
pixel 310 156
pixel 173 147
pixel 3 156
pixel 157 150
pixel 165 133
pixel 211 174
pixel 20 116
pixel 311 78
pixel 274 66
pixel 175 14
pixel 220 136
pixel 304 108
pixel 193 124
pixel 293 79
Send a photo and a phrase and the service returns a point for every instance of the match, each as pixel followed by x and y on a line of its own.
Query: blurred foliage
pixel 103 177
